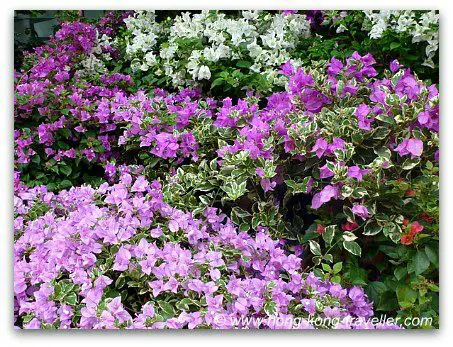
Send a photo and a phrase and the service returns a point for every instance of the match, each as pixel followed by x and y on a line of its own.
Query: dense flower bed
pixel 140 207
pixel 206 46
pixel 91 257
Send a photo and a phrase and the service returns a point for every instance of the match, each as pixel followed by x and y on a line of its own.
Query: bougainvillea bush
pixel 208 170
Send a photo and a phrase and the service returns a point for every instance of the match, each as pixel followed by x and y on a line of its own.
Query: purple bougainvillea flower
pixel 288 12
pixel 357 173
pixel 299 81
pixel 325 172
pixel 337 143
pixel 267 184
pixel 309 305
pixel 320 147
pixel 361 113
pixel 395 66
pixel 334 67
pixel 315 17
pixel 415 147
pixel 408 85
pixel 356 293
pixel 157 286
pixel 33 324
pixel 122 259
pixel 190 268
pixel 117 195
pixel 429 118
pixel 410 146
pixel 259 171
pixel 361 211
pixel 287 69
pixel 313 100
pixel 324 196
pixel 173 226
pixel 166 146
pixel 140 184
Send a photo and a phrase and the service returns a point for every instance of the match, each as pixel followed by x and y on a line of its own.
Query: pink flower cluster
pixel 88 239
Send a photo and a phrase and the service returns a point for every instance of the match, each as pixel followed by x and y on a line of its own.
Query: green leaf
pixel 382 217
pixel 204 199
pixel 244 227
pixel 383 152
pixel 36 159
pixel 393 231
pixel 317 260
pixel 375 290
pixel 433 287
pixel 386 119
pixel 244 64
pixel 348 236
pixel 421 262
pixel 371 228
pixel 378 286
pixel 65 169
pixel 410 163
pixel 270 308
pixel 328 257
pixel 400 272
pixel 167 309
pixel 356 276
pixel 58 292
pixel 217 82
pixel 183 305
pixel 352 247
pixel 336 279
pixel 359 193
pixel 28 317
pixel 71 299
pixel 152 162
pixel 256 220
pixel 337 267
pixel 329 234
pixel 348 213
pixel 326 268
pixel 314 247
pixel 432 255
pixel 380 133
pixel 65 184
pixel 346 191
pixel 302 186
pixel 120 282
pixel 239 212
pixel 406 296
pixel 298 187
pixel 395 45
pixel 387 302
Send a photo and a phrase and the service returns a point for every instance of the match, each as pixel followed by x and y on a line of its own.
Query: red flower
pixel 426 217
pixel 348 226
pixel 410 192
pixel 407 239
pixel 320 229
pixel 405 221
pixel 416 228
